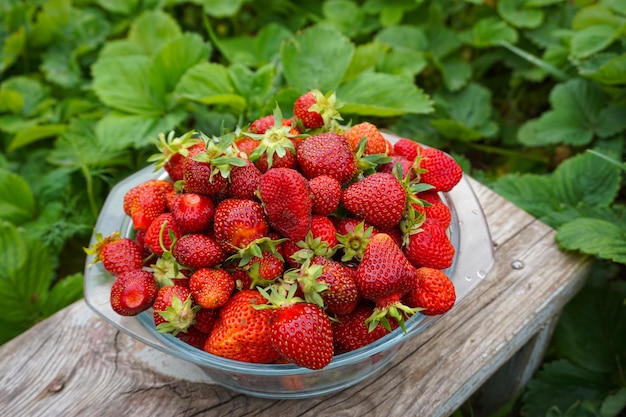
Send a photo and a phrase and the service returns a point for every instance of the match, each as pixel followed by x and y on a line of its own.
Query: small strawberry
pixel 433 291
pixel 384 276
pixel 237 223
pixel 161 232
pixel 132 292
pixel 430 246
pixel 327 154
pixel 406 148
pixel 242 332
pixel 404 166
pixel 301 332
pixel 326 194
pixel 435 208
pixel 174 309
pixel 172 151
pixel 116 253
pixel 144 203
pixel 197 251
pixel 379 199
pixel 211 287
pixel 375 141
pixel 315 110
pixel 244 181
pixel 193 212
pixel 264 269
pixel 438 169
pixel 286 198
pixel 350 332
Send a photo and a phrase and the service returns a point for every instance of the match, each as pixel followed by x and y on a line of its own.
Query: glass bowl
pixel 474 257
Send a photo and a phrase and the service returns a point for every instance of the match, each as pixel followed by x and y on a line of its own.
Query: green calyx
pixel 256 248
pixel 279 294
pixel 221 153
pixel 397 311
pixel 354 243
pixel 178 316
pixel 327 106
pixel 101 241
pixel 166 269
pixel 306 277
pixel 312 247
pixel 368 164
pixel 275 141
pixel 170 146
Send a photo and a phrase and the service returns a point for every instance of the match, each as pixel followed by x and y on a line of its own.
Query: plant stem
pixel 549 68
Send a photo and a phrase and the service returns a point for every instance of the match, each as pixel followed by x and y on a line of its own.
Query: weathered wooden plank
pixel 76 364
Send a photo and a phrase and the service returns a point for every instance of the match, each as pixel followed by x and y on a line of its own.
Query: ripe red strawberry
pixel 437 210
pixel 384 276
pixel 315 110
pixel 211 287
pixel 433 291
pixel 193 213
pixel 144 203
pixel 158 236
pixel 286 197
pixel 326 194
pixel 406 148
pixel 438 169
pixel 244 181
pixel 174 309
pixel 246 145
pixel 341 294
pixel 324 229
pixel 204 320
pixel 237 223
pixel 193 337
pixel 172 151
pixel 200 176
pixel 350 332
pixel 262 124
pixel 116 253
pixel 198 251
pixel 264 269
pixel 327 154
pixel 405 166
pixel 132 292
pixel 353 234
pixel 379 199
pixel 376 142
pixel 430 246
pixel 242 332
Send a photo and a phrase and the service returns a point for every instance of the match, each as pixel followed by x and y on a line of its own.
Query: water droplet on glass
pixel 517 264
pixel 467 278
pixel 475 211
pixel 481 274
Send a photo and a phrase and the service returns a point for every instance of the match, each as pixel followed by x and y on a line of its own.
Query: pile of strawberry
pixel 289 241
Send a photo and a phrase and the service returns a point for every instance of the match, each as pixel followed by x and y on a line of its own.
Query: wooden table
pixel 75 364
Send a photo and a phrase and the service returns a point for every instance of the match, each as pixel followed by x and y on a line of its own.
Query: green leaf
pixel 605 69
pixel 592 39
pixel 405 63
pixel 35 133
pixel 594 237
pixel 517 14
pixel 597 14
pixel 11 101
pixel 12 48
pixel 382 95
pixel 254 86
pixel 152 29
pixel 405 37
pixel 124 84
pixel 470 106
pixel 614 404
pixel 455 71
pixel 17 204
pixel 26 274
pixel 318 58
pixel 591 332
pixel 63 293
pixel 210 83
pixel 344 15
pixel 491 31
pixel 35 95
pixel 365 58
pixel 117 131
pixel 220 8
pixel 560 385
pixel 542 3
pixel 453 129
pixel 530 192
pixel 442 40
pixel 585 179
pixel 123 7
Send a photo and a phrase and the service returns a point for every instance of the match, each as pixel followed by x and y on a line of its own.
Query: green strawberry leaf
pixel 605 68
pixel 593 39
pixel 382 95
pixel 591 332
pixel 210 83
pixel 542 3
pixel 516 13
pixel 405 63
pixel 317 57
pixel 17 204
pixel 530 192
pixel 11 49
pixel 152 29
pixel 442 40
pixel 35 95
pixel 253 51
pixel 455 71
pixel 220 8
pixel 63 293
pixel 35 133
pixel 594 237
pixel 27 272
pixel 491 31
pixel 405 37
pixel 365 58
pixel 254 86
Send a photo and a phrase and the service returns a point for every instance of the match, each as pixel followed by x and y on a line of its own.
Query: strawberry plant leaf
pixel 254 86
pixel 455 71
pixel 63 293
pixel 17 204
pixel 405 37
pixel 220 8
pixel 591 332
pixel 516 13
pixel 582 178
pixel 404 63
pixel 366 57
pixel 317 57
pixel 592 39
pixel 442 40
pixel 210 83
pixel 345 16
pixel 382 95
pixel 542 3
pixel 11 48
pixel 605 68
pixel 152 29
pixel 490 31
pixel 35 95
pixel 594 237
pixel 531 192
pixel 35 133
pixel 596 14
pixel 253 51
pixel 27 272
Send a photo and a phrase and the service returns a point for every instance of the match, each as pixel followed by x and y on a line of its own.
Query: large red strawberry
pixel 237 223
pixel 315 110
pixel 327 154
pixel 438 169
pixel 244 181
pixel 430 246
pixel 116 253
pixel 379 199
pixel 211 287
pixel 132 292
pixel 384 276
pixel 145 202
pixel 326 194
pixel 286 198
pixel 197 251
pixel 375 141
pixel 341 294
pixel 193 213
pixel 174 309
pixel 242 332
pixel 433 291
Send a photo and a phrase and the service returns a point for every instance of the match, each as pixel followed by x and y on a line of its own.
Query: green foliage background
pixel 528 95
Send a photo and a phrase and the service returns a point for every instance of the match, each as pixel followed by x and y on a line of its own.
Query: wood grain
pixel 75 364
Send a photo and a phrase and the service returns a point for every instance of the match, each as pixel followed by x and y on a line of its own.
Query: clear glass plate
pixel 474 258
